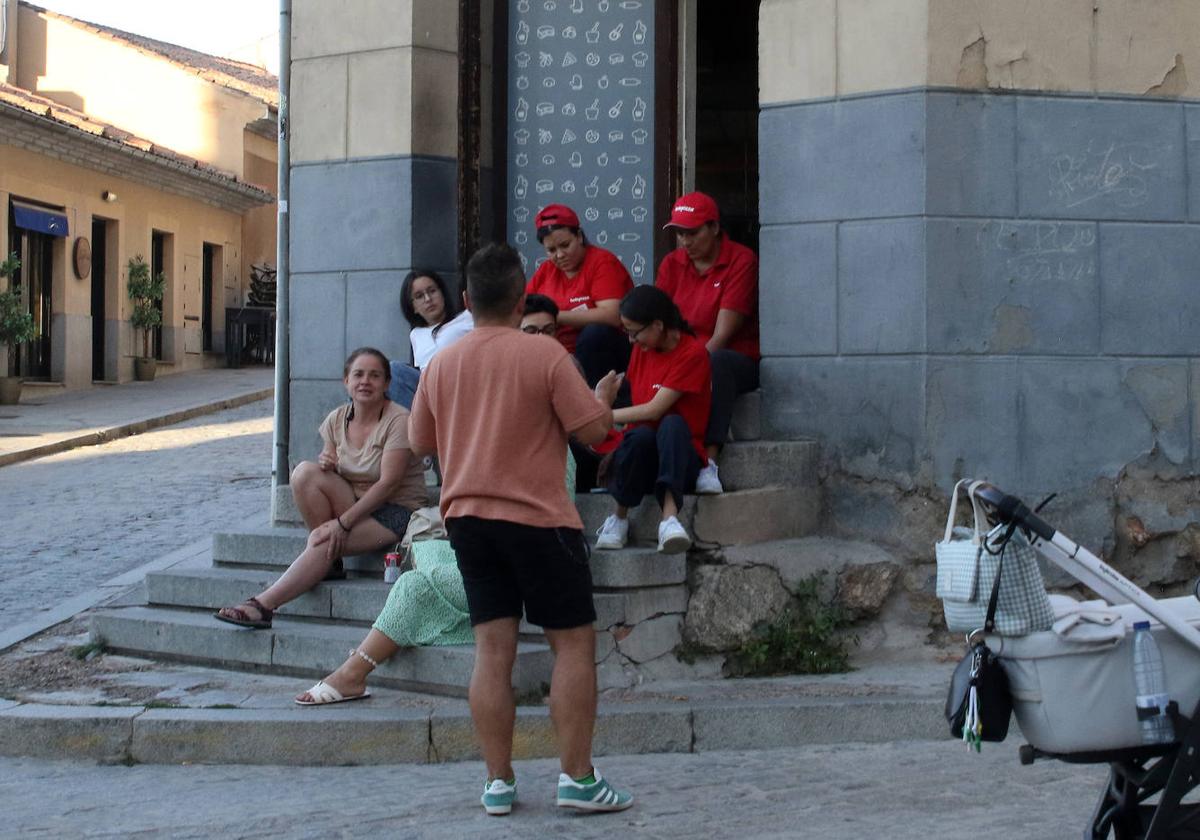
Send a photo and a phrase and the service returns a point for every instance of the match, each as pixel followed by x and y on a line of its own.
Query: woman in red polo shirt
pixel 587 284
pixel 662 448
pixel 714 282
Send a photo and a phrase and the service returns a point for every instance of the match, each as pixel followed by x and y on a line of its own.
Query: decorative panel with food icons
pixel 581 124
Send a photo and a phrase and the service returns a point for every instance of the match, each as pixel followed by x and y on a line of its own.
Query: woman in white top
pixel 436 319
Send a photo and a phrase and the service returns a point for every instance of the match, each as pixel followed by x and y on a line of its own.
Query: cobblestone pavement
pixel 79 518
pixel 925 791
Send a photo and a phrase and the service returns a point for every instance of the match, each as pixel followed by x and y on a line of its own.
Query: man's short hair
pixel 495 280
pixel 540 303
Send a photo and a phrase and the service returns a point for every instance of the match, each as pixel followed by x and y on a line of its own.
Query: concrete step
pixel 745 464
pixel 659 589
pixel 303 648
pixel 268 547
pixel 731 518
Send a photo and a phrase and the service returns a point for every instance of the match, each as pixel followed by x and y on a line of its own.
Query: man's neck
pixel 494 322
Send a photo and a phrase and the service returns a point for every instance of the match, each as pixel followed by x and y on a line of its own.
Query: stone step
pixel 745 465
pixel 303 648
pixel 360 601
pixel 274 549
pixel 731 518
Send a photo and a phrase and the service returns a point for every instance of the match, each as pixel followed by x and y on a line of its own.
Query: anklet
pixel 365 657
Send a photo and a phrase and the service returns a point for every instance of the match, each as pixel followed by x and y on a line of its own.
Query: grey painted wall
pixel 1002 285
pixel 357 228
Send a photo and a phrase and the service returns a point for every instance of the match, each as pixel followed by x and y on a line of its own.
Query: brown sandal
pixel 237 615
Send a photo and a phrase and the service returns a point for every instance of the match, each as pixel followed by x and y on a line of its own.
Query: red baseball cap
pixel 555 214
pixel 693 210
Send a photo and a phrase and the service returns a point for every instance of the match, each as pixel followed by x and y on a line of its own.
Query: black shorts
pixel 506 566
pixel 393 517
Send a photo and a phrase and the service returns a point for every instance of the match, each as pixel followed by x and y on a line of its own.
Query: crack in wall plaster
pixel 972 67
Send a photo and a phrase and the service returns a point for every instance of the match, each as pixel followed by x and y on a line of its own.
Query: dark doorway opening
pixel 99 274
pixel 726 102
pixel 34 281
pixel 158 249
pixel 206 298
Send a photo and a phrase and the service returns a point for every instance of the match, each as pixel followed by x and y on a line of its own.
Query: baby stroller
pixel 1073 693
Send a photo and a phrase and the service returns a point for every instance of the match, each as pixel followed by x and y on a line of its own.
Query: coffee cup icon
pixel 592 188
pixel 592 112
pixel 592 34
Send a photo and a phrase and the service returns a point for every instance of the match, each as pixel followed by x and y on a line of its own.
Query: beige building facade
pixel 114 146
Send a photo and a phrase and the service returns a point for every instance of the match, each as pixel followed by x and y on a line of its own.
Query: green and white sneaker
pixel 598 796
pixel 498 797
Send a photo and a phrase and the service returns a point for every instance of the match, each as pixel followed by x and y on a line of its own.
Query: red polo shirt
pixel 685 369
pixel 601 277
pixel 730 283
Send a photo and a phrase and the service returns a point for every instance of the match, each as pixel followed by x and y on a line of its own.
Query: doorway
pixel 158 261
pixel 34 282
pixel 206 297
pixel 99 315
pixel 725 99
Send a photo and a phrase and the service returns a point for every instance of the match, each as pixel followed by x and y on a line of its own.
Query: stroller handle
pixel 1008 509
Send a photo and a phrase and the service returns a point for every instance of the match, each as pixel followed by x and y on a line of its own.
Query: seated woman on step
pixel 436 319
pixel 662 447
pixel 358 495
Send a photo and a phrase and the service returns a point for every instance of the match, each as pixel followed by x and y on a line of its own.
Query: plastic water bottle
pixel 1150 681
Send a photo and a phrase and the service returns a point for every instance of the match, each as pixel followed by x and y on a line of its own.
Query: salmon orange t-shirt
pixel 600 277
pixel 685 368
pixel 497 406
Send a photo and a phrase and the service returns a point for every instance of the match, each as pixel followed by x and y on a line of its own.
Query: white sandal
pixel 324 694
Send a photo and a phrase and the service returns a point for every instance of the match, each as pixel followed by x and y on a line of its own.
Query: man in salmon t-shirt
pixel 497 407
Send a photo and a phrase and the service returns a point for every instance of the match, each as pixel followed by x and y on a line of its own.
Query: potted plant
pixel 145 291
pixel 16 327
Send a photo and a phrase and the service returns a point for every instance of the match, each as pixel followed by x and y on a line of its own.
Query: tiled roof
pixel 21 99
pixel 235 75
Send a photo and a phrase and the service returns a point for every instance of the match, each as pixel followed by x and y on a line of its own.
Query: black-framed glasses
pixel 550 330
pixel 633 334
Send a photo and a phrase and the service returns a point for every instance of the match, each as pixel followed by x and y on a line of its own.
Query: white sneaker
pixel 708 483
pixel 672 537
pixel 614 533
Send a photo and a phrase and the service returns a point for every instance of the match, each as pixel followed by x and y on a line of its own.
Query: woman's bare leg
pixel 350 679
pixel 313 564
pixel 320 495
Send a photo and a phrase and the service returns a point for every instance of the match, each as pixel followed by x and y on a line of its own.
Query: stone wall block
pixel 319 109
pixel 352 216
pixel 798 290
pixel 331 27
pixel 1106 160
pixel 318 341
pixel 1008 287
pixel 882 44
pixel 868 412
pixel 373 315
pixel 651 638
pixel 729 601
pixel 861 158
pixel 1148 274
pixel 881 287
pixel 379 113
pixel 797 50
pixel 435 226
pixel 312 400
pixel 800 560
pixel 1192 123
pixel 970 151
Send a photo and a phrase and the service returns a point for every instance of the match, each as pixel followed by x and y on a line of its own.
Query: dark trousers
pixel 599 349
pixel 733 373
pixel 654 461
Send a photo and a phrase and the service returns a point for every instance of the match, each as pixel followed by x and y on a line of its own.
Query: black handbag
pixel 979 703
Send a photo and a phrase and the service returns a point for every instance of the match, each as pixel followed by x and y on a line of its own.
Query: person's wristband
pixel 342 524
